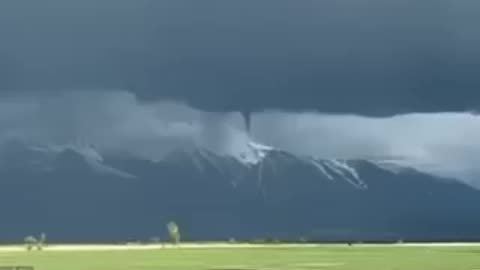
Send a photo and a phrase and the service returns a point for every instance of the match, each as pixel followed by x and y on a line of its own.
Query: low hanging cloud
pixel 444 144
pixel 115 121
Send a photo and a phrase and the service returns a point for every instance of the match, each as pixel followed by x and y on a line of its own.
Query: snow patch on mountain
pixel 254 154
pixel 395 166
pixel 88 152
pixel 44 157
pixel 93 158
pixel 338 169
pixel 321 168
pixel 259 159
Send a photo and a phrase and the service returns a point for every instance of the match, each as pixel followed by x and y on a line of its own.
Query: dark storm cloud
pixel 368 56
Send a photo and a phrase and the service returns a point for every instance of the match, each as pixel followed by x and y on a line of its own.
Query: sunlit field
pixel 341 257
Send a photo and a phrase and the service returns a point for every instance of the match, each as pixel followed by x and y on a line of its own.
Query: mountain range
pixel 78 193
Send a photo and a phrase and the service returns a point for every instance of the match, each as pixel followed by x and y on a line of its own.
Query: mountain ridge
pixel 215 197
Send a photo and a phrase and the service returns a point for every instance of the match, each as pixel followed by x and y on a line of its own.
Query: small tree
pixel 173 232
pixel 42 241
pixel 30 241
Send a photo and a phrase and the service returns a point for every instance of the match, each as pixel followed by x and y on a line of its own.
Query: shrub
pixel 30 242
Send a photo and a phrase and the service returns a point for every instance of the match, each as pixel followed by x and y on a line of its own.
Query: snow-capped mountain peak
pixel 254 154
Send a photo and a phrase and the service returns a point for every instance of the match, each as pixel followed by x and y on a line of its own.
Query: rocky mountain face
pixel 75 193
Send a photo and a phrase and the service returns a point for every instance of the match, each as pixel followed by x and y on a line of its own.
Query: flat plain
pixel 247 257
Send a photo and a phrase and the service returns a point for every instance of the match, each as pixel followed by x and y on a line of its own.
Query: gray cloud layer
pixel 376 57
pixel 439 143
pixel 115 121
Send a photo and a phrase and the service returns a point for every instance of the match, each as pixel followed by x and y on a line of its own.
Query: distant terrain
pixel 77 193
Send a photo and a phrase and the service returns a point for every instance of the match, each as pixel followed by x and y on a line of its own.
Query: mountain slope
pixel 75 194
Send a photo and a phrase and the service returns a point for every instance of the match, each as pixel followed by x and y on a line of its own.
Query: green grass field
pixel 301 258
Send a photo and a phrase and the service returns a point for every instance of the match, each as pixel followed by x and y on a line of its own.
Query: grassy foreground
pixel 264 258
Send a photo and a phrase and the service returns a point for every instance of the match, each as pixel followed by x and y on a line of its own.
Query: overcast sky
pixel 371 57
